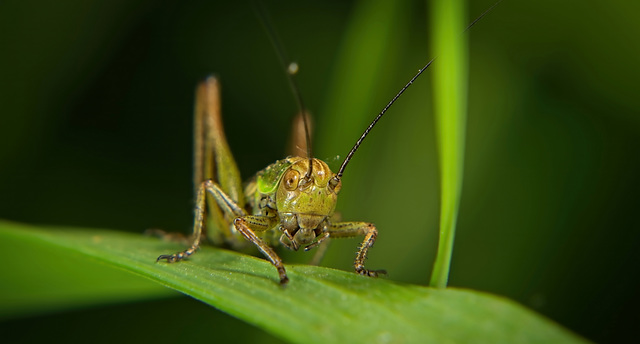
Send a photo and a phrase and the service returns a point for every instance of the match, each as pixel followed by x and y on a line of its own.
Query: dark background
pixel 95 131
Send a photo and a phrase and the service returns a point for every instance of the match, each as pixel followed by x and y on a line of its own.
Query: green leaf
pixel 43 272
pixel 319 304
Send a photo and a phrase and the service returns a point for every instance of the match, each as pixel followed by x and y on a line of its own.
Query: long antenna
pixel 375 120
pixel 384 110
pixel 290 69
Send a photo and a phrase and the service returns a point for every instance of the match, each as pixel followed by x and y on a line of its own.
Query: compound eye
pixel 291 179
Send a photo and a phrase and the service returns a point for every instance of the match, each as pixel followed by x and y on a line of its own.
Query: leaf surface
pixel 318 305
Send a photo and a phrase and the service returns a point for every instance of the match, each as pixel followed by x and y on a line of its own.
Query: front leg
pixel 224 203
pixel 247 225
pixel 351 229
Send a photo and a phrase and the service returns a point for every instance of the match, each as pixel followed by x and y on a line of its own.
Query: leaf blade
pixel 450 107
pixel 319 305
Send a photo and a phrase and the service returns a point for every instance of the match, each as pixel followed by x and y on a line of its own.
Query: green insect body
pixel 291 202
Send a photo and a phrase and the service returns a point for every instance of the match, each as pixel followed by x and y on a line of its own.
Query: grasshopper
pixel 291 202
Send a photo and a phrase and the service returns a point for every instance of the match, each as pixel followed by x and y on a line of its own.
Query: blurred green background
pixel 95 131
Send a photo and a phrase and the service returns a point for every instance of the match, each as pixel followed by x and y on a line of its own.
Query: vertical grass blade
pixel 450 105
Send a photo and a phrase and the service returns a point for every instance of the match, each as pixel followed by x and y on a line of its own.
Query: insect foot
pixel 284 280
pixel 176 257
pixel 370 273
